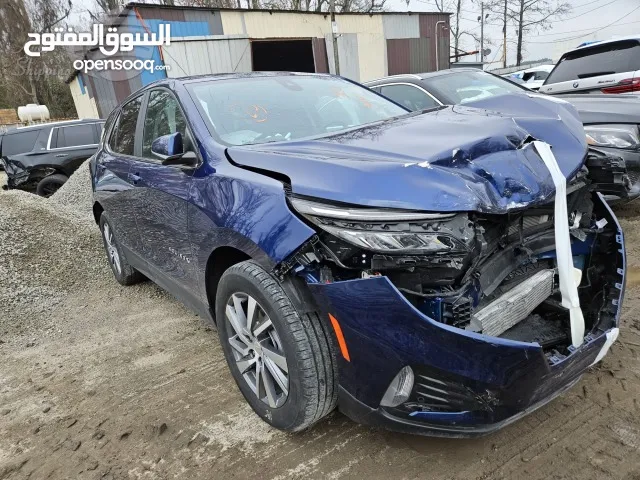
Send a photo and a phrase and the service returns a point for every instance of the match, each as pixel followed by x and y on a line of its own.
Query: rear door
pixel 70 145
pixel 592 68
pixel 163 192
pixel 114 188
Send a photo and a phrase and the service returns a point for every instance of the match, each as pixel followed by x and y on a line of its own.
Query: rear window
pixel 17 143
pixel 607 59
pixel 74 136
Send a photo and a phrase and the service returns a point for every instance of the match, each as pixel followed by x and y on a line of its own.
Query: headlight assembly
pixel 613 135
pixel 381 230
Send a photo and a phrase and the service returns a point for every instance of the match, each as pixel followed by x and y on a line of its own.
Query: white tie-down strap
pixel 564 256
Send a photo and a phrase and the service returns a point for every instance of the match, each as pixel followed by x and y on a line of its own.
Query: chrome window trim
pixel 75 146
pixel 409 75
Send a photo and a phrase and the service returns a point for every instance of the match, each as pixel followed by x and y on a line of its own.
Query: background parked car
pixel 611 121
pixel 40 158
pixel 532 78
pixel 612 66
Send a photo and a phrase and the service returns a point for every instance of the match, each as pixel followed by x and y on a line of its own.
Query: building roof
pixel 131 5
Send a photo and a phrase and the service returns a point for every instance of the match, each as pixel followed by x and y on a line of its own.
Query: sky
pixel 588 20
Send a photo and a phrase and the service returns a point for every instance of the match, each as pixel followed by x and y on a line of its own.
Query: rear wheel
pixel 50 184
pixel 125 274
pixel 283 362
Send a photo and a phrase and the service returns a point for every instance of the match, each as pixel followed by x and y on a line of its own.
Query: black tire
pixel 125 274
pixel 306 342
pixel 50 184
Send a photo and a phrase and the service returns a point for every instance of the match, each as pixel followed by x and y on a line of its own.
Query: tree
pixel 531 15
pixel 26 79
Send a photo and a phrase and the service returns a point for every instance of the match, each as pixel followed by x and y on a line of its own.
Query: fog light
pixel 399 388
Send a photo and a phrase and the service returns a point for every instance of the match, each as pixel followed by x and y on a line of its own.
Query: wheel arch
pixel 220 259
pixel 97 212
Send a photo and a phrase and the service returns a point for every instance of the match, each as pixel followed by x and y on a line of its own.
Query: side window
pixel 408 96
pixel 73 136
pixel 123 136
pixel 17 143
pixel 163 117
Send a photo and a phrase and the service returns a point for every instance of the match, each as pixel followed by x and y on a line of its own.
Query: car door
pixel 161 207
pixel 113 186
pixel 70 145
pixel 409 96
pixel 610 68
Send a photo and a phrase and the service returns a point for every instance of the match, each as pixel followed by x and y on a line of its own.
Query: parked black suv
pixel 40 158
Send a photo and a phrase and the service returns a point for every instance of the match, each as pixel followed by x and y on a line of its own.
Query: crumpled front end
pixel 23 176
pixel 472 332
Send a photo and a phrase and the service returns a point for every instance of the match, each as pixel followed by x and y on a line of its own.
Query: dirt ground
pixel 102 381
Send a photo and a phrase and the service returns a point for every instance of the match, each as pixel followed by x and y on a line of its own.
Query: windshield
pixel 463 87
pixel 253 110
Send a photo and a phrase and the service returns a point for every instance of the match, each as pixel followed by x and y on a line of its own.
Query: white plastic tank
pixel 33 113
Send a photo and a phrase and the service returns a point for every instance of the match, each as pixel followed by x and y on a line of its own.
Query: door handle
pixel 62 155
pixel 135 178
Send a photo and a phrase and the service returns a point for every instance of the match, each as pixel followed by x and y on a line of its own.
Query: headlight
pixel 382 230
pixel 616 136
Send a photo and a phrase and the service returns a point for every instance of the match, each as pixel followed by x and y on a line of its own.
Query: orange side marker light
pixel 341 343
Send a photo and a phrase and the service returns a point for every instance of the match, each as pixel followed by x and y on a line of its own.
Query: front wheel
pixel 50 184
pixel 283 362
pixel 125 274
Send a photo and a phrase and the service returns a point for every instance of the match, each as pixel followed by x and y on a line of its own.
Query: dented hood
pixel 453 159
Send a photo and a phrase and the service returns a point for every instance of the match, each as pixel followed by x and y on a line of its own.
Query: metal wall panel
pixel 401 26
pixel 409 55
pixel 348 56
pixel 84 107
pixel 285 25
pixel 419 55
pixel 398 60
pixel 201 57
pixel 233 23
pixel 211 17
pixel 428 22
pixel 320 55
pixel 372 54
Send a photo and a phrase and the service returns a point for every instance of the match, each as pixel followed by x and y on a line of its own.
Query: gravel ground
pixel 76 192
pixel 102 381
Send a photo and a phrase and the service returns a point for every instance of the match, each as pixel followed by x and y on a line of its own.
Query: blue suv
pixel 439 272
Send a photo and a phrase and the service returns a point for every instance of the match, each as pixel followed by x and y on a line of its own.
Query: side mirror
pixel 169 149
pixel 167 146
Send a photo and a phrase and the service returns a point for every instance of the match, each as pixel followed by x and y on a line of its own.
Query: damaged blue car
pixel 442 272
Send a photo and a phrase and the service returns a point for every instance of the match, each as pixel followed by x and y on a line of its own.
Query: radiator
pixel 514 306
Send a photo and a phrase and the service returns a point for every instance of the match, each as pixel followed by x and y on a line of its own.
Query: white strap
pixel 564 256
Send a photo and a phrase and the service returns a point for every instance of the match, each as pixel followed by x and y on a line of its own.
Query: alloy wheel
pixel 257 349
pixel 112 251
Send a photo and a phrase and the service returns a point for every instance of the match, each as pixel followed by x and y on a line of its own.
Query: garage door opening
pixel 283 55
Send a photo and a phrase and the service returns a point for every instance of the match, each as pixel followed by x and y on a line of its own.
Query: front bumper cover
pixel 490 381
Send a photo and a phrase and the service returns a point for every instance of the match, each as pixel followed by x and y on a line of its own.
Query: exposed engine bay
pixel 495 274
